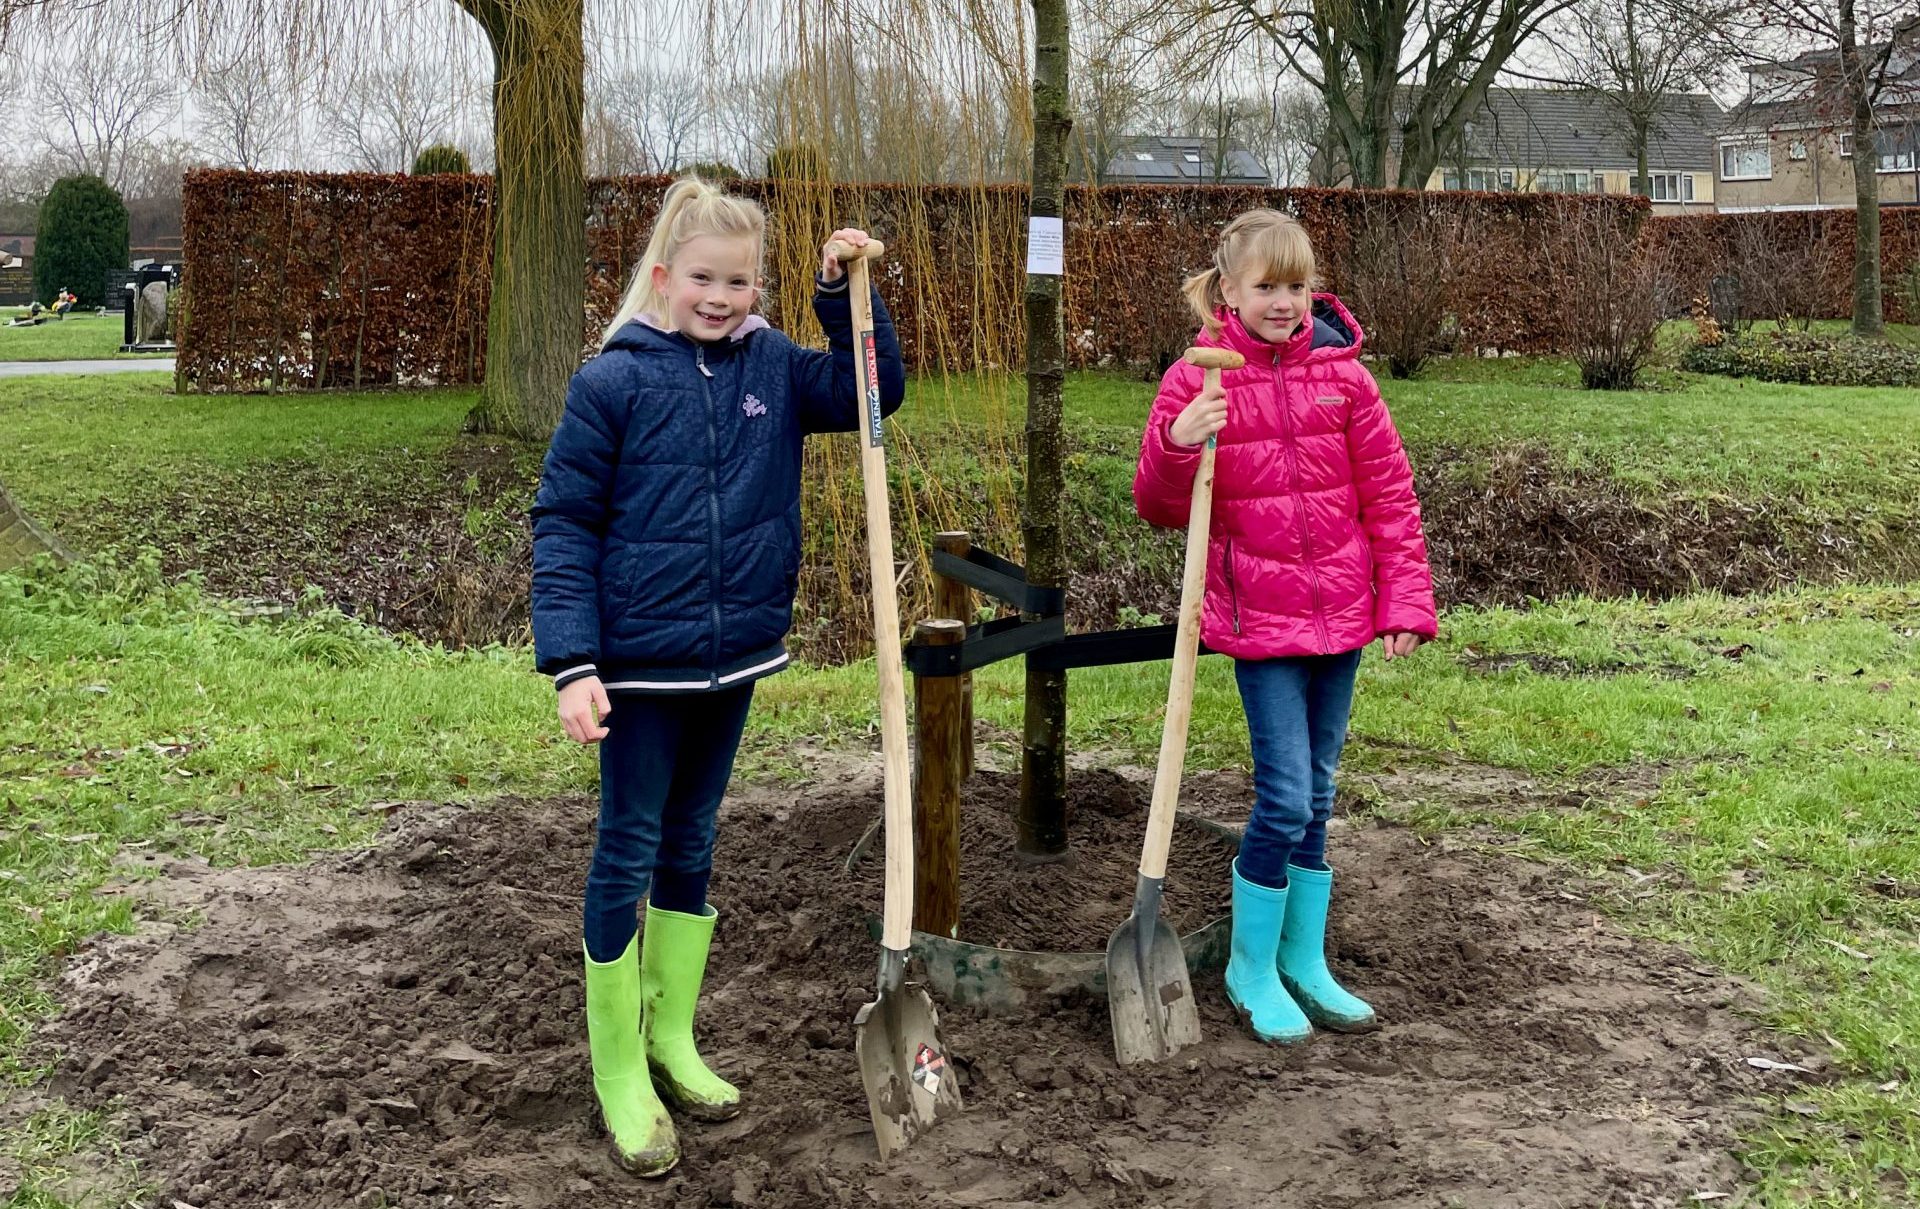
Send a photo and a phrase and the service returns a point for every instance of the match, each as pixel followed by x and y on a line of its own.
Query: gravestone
pixel 150 314
pixel 149 305
pixel 1723 298
pixel 21 539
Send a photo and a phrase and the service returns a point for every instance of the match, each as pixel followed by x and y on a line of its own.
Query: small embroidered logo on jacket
pixel 753 406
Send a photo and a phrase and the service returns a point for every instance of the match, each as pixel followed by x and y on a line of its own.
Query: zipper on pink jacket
pixel 1306 548
pixel 1233 590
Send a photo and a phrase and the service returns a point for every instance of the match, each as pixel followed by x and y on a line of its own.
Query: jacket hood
pixel 1334 335
pixel 644 333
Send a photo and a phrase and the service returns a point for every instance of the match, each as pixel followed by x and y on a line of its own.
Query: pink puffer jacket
pixel 1316 543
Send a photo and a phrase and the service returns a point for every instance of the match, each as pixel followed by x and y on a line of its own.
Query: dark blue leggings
pixel 664 767
pixel 1297 719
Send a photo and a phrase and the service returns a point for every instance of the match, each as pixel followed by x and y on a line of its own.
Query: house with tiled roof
pixel 1565 140
pixel 1788 145
pixel 1167 160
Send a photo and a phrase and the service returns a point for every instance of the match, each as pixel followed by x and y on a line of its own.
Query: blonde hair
pixel 691 208
pixel 1264 245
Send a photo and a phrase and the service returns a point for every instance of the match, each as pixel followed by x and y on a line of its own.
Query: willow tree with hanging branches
pixel 539 212
pixel 534 316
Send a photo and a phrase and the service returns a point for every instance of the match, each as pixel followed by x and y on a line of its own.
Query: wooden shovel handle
pixel 847 254
pixel 896 929
pixel 1186 652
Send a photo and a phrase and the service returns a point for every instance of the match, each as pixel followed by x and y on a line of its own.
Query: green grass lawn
pixel 1778 834
pixel 76 441
pixel 1689 437
pixel 79 337
pixel 1780 837
pixel 1694 434
pixel 1677 334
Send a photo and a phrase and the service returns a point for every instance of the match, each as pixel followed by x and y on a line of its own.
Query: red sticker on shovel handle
pixel 928 1067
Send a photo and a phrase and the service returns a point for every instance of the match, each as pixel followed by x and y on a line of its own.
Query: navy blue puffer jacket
pixel 666 532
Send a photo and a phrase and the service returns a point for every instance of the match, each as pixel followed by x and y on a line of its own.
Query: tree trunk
pixel 1642 183
pixel 536 316
pixel 1867 320
pixel 1369 141
pixel 21 538
pixel 1041 823
pixel 1641 117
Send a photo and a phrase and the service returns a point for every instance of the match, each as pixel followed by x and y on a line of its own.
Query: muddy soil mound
pixel 402 1027
pixel 1073 905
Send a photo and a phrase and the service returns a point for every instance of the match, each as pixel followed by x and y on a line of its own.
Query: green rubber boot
pixel 643 1138
pixel 673 961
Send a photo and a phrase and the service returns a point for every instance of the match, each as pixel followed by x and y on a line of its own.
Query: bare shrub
pixel 1783 262
pixel 1403 277
pixel 1615 292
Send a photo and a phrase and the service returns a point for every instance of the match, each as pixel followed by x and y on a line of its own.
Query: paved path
pixel 131 365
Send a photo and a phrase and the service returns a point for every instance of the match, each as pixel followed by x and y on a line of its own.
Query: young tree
pixel 1041 822
pixel 1862 53
pixel 1363 57
pixel 1638 54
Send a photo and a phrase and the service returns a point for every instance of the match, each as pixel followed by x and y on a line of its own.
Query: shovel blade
pixel 911 1085
pixel 1149 992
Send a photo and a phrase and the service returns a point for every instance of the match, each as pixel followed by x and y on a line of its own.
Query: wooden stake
pixel 953 599
pixel 937 714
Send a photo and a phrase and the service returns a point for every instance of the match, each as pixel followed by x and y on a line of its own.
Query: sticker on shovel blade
pixel 928 1066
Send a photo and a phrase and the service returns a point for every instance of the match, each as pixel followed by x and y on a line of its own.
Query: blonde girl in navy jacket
pixel 666 555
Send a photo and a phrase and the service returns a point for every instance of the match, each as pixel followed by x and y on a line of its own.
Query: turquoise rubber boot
pixel 1303 956
pixel 1253 979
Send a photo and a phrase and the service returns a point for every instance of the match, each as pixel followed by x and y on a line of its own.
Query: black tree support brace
pixel 1045 642
pixel 1002 580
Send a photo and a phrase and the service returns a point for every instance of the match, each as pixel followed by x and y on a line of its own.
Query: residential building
pixel 1164 160
pixel 1788 145
pixel 1565 140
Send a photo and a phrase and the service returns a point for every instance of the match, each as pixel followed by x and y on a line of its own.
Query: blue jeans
pixel 1297 718
pixel 664 767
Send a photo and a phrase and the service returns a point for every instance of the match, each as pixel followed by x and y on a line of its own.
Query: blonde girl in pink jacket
pixel 1316 550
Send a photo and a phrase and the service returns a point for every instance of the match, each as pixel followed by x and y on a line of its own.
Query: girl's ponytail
pixel 690 209
pixel 1202 292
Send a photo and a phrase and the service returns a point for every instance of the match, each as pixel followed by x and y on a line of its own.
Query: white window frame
pixel 1681 185
pixel 1565 180
pixel 1144 157
pixel 1191 158
pixel 1905 140
pixel 1746 145
pixel 1887 163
